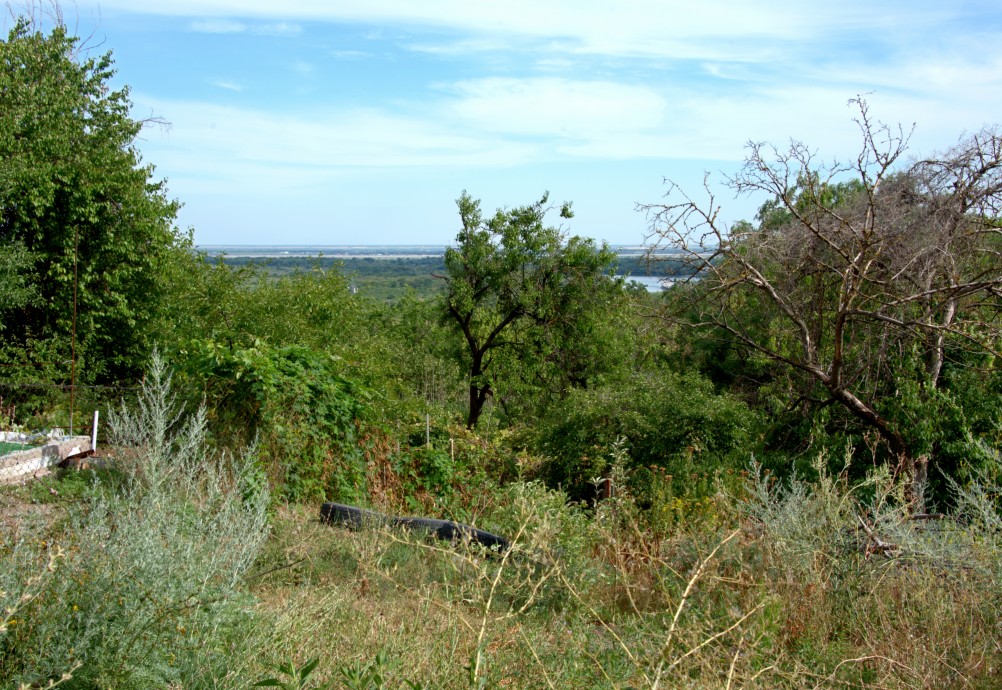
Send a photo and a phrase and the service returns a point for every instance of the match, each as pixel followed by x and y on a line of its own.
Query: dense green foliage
pixel 295 406
pixel 88 227
pixel 668 425
pixel 238 305
pixel 520 294
pixel 16 290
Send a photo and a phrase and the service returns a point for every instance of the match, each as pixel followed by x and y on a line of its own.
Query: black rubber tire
pixel 350 516
pixel 447 530
pixel 454 531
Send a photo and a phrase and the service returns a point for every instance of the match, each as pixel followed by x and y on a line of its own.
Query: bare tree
pixel 853 266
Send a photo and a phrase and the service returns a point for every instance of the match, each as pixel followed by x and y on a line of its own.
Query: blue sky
pixel 360 122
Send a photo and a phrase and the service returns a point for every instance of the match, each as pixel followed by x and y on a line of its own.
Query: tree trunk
pixel 478 393
pixel 913 469
pixel 478 397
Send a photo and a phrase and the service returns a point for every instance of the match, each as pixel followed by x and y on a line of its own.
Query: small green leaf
pixel 308 668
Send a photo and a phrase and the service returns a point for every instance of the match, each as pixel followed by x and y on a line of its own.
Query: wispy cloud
pixel 206 139
pixel 232 26
pixel 716 29
pixel 226 84
pixel 548 107
pixel 217 26
pixel 350 54
pixel 465 46
pixel 280 29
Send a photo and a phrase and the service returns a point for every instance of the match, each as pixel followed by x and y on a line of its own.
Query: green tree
pixel 16 289
pixel 237 304
pixel 515 291
pixel 862 280
pixel 76 195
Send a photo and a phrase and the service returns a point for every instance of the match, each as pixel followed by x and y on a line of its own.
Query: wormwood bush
pixel 148 592
pixel 872 595
pixel 831 521
pixel 552 542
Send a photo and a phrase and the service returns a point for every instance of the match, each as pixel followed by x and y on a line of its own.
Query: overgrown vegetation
pixel 143 581
pixel 693 497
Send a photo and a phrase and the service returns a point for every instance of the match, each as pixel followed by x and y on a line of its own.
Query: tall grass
pixel 871 596
pixel 800 585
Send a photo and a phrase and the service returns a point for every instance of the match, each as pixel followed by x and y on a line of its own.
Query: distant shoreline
pixel 352 251
pixel 334 251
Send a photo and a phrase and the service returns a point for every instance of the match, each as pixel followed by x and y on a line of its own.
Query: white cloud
pixel 218 26
pixel 226 84
pixel 466 46
pixel 236 148
pixel 496 123
pixel 280 29
pixel 715 29
pixel 350 54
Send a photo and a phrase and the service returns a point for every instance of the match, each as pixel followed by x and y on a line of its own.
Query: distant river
pixel 652 283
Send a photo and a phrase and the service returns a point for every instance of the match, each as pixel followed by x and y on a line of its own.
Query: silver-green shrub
pixel 149 591
pixel 816 524
pixel 853 574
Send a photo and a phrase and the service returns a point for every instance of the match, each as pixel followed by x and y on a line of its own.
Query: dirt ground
pixel 21 516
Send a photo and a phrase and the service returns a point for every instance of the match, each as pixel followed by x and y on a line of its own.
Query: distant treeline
pixel 659 266
pixel 423 266
pixel 381 279
pixel 367 266
pixel 389 279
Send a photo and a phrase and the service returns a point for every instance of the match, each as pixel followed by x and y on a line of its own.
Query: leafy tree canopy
pixel 517 292
pixel 76 197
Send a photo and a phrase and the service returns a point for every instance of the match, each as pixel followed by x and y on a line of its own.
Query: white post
pixel 93 433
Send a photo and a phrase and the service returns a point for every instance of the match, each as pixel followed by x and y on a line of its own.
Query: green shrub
pixel 675 423
pixel 294 401
pixel 148 592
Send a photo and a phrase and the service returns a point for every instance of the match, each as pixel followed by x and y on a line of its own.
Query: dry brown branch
pixel 858 660
pixel 734 663
pixel 852 266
